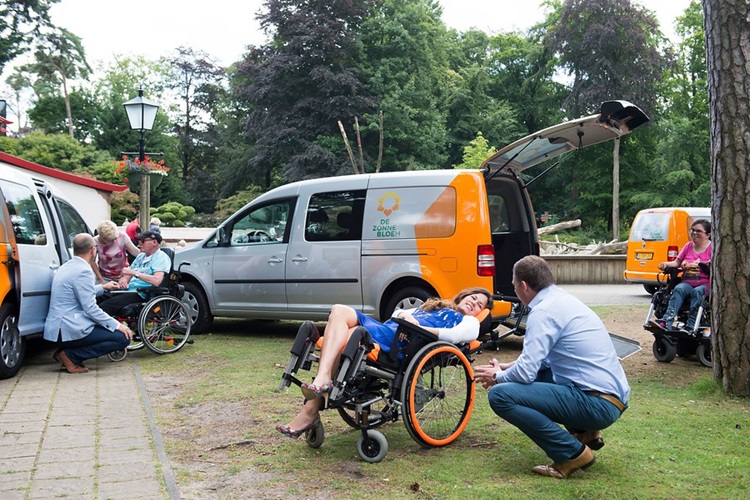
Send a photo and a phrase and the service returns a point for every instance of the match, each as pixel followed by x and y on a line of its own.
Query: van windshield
pixel 650 227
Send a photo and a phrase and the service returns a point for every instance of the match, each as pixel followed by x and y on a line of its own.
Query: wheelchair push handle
pixel 506 298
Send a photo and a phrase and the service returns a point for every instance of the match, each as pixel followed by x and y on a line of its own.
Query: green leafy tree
pixel 20 24
pixel 59 58
pixel 476 152
pixel 49 114
pixel 405 64
pixel 300 84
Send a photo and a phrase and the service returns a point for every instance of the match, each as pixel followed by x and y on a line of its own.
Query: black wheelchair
pixel 669 343
pixel 427 382
pixel 161 323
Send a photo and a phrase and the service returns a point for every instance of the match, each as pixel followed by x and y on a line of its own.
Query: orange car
pixel 657 235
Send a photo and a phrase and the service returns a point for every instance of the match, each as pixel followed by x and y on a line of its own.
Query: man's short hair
pixel 534 271
pixel 82 243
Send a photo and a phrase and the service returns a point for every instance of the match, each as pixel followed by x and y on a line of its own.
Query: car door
pixel 249 261
pixel 37 255
pixel 324 265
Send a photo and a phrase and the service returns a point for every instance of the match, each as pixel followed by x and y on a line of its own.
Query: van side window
pixel 335 216
pixel 263 225
pixel 24 214
pixel 73 222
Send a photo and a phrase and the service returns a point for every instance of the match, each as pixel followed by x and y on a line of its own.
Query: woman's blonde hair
pixel 438 303
pixel 107 231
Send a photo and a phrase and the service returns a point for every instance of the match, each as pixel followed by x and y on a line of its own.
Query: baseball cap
pixel 149 234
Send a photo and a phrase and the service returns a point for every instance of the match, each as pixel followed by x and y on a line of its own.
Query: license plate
pixel 644 255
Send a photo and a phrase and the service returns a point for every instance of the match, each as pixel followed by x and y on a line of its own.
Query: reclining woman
pixel 694 279
pixel 451 320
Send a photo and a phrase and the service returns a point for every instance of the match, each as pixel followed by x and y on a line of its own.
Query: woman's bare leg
pixel 340 323
pixel 305 417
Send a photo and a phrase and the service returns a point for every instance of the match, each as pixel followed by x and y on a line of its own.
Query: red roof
pixel 59 174
pixel 5 121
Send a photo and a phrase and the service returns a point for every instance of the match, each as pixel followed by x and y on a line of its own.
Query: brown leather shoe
pixel 565 469
pixel 69 365
pixel 592 439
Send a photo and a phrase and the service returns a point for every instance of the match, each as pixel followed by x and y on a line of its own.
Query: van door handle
pixel 275 260
pixel 54 266
pixel 299 258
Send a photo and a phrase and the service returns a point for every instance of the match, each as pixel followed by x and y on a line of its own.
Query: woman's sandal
pixel 295 434
pixel 312 391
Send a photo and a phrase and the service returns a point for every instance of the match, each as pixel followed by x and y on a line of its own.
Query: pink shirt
pixel 112 257
pixel 689 256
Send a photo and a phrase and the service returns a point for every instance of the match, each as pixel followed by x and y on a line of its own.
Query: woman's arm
pixel 467 330
pixel 131 249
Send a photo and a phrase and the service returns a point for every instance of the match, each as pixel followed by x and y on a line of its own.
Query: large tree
pixel 20 24
pixel 612 50
pixel 301 83
pixel 728 57
pixel 59 58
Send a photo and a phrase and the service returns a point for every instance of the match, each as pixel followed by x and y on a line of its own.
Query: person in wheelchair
pixel 148 269
pixel 74 322
pixel 694 276
pixel 451 320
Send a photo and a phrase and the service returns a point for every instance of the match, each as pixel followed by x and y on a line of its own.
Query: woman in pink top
pixel 112 247
pixel 694 279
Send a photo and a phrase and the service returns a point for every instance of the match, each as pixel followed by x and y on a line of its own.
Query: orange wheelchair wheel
pixel 438 395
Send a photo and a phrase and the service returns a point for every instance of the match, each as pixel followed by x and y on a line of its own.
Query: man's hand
pixel 111 285
pixel 485 374
pixel 125 331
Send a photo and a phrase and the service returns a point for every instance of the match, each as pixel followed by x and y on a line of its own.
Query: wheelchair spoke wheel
pixel 438 396
pixel 164 325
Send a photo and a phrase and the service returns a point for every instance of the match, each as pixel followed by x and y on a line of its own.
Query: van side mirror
pixel 223 237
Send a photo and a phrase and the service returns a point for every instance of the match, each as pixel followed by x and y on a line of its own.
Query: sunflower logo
pixel 388 203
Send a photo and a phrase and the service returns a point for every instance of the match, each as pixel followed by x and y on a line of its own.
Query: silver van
pixel 380 241
pixel 37 227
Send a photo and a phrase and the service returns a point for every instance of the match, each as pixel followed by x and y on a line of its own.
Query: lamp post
pixel 141 115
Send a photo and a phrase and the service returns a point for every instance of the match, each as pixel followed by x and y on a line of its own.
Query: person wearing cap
pixel 148 269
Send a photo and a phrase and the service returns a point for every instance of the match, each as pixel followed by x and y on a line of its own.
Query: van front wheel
pixel 406 298
pixel 197 305
pixel 12 345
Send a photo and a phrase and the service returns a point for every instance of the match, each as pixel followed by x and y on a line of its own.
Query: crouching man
pixel 568 373
pixel 75 322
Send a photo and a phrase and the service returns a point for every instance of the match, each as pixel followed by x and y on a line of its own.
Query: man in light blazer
pixel 74 321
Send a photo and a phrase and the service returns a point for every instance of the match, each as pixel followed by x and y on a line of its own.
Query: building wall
pixel 92 204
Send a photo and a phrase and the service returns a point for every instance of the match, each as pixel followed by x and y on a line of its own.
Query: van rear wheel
pixel 650 289
pixel 12 345
pixel 406 298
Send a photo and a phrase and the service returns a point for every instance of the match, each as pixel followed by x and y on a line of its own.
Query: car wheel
pixel 650 289
pixel 406 298
pixel 197 304
pixel 12 345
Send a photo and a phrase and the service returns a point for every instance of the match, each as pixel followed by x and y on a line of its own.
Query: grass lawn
pixel 681 437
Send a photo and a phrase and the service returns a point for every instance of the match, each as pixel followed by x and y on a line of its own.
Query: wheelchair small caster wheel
pixel 373 448
pixel 117 355
pixel 315 436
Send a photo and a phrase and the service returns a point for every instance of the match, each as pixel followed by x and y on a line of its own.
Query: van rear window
pixel 650 227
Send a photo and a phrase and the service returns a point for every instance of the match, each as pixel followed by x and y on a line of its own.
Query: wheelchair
pixel 161 323
pixel 670 343
pixel 427 382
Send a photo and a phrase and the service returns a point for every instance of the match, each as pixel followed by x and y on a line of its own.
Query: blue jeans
pixel 97 343
pixel 681 292
pixel 537 409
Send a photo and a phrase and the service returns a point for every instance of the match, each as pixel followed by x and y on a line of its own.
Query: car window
pixel 262 225
pixel 335 216
pixel 72 221
pixel 24 214
pixel 651 227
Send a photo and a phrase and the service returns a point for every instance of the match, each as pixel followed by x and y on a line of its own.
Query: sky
pixel 225 29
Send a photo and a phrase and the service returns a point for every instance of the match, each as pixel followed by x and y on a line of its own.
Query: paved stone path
pixel 87 435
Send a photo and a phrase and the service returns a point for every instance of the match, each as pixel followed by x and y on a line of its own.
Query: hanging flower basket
pixel 132 170
pixel 133 181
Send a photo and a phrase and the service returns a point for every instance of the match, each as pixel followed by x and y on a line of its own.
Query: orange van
pixel 657 235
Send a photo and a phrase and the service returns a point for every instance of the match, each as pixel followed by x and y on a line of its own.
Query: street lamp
pixel 141 115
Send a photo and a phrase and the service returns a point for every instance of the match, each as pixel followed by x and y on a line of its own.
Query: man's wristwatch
pixel 137 274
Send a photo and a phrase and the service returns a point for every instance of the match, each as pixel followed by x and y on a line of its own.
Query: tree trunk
pixel 616 191
pixel 728 57
pixel 68 111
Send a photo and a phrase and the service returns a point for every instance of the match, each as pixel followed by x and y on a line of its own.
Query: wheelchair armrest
pixel 413 333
